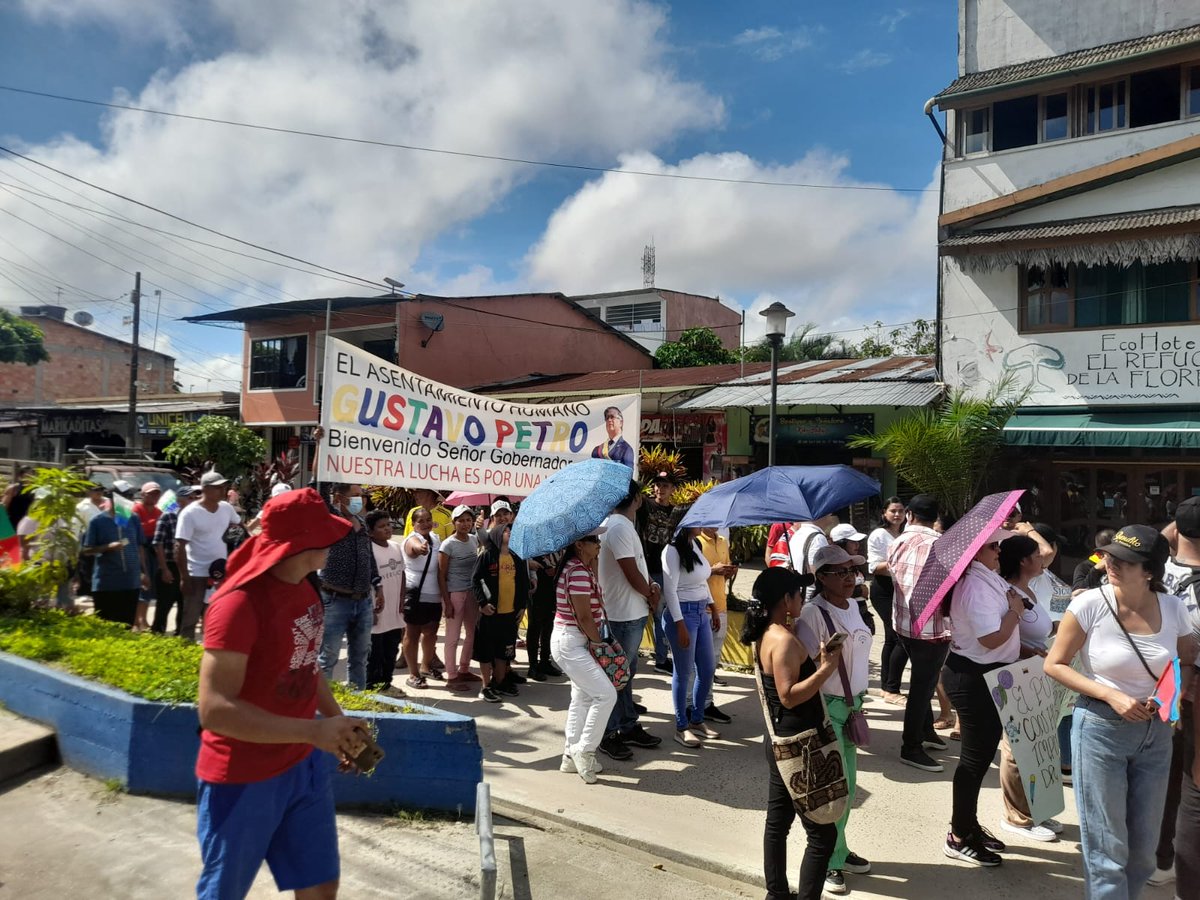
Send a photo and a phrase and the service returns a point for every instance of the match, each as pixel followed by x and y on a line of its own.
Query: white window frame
pixel 1085 107
pixel 964 117
pixel 1042 139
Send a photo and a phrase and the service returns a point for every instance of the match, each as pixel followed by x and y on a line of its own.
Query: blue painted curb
pixel 433 760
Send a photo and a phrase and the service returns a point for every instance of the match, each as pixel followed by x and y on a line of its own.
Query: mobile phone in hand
pixel 370 755
pixel 835 641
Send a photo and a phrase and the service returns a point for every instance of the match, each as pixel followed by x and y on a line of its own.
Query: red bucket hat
pixel 291 523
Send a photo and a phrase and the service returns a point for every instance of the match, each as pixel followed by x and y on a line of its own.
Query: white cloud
pixel 891 21
pixel 839 258
pixel 770 44
pixel 863 60
pixel 540 79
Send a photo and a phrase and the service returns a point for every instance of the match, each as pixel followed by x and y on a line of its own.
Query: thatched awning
pixel 1150 236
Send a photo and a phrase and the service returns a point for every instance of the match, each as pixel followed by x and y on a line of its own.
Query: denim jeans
pixel 1120 778
pixel 629 635
pixel 661 645
pixel 694 666
pixel 1064 742
pixel 352 618
pixel 926 659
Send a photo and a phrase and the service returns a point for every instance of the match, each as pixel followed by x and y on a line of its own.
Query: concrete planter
pixel 433 758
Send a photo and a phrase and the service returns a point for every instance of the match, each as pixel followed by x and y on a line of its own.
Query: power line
pixel 169 215
pixel 515 160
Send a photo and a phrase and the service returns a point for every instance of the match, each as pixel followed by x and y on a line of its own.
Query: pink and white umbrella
pixel 953 551
pixel 466 498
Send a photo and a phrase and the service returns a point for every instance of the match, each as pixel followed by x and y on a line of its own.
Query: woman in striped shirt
pixel 577 616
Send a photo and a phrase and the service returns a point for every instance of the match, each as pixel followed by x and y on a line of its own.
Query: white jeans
pixel 592 694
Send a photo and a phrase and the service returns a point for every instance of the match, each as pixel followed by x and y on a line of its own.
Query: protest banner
pixel 1030 705
pixel 385 425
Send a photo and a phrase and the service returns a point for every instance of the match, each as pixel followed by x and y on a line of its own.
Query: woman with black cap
pixel 1127 633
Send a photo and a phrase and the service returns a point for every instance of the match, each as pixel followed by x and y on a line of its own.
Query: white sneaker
pixel 1053 824
pixel 1033 832
pixel 585 766
pixel 685 737
pixel 1162 876
pixel 568 764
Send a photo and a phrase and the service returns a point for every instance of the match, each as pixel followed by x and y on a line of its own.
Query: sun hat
pixel 461 509
pixel 213 479
pixel 291 523
pixel 499 505
pixel 833 555
pixel 846 532
pixel 1138 544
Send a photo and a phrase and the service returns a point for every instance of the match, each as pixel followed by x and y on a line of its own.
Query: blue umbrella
pixel 567 505
pixel 780 494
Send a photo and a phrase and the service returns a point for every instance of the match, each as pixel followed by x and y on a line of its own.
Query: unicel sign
pixel 388 426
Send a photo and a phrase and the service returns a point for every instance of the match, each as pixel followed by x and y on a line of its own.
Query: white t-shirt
pixel 620 541
pixel 1107 656
pixel 1035 625
pixel 203 531
pixel 414 567
pixel 390 561
pixel 979 604
pixel 856 652
pixel 1052 593
pixel 878 542
pixel 682 586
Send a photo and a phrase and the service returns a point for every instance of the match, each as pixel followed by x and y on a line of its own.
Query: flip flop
pixel 418 682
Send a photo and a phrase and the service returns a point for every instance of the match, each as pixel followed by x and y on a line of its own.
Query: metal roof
pixel 1081 227
pixel 618 380
pixel 292 307
pixel 820 394
pixel 1069 63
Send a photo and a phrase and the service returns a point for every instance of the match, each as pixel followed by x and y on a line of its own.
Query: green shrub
pixel 151 666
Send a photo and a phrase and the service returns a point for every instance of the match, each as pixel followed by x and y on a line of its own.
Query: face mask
pixel 355 505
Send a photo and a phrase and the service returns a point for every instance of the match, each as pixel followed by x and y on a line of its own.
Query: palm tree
pixel 946 449
pixel 804 345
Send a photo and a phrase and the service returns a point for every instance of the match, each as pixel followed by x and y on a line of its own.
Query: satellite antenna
pixel 83 318
pixel 648 265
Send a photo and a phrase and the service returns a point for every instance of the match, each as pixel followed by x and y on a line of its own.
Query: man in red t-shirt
pixel 147 510
pixel 263 794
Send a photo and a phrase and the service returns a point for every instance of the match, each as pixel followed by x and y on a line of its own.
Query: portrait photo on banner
pixel 386 425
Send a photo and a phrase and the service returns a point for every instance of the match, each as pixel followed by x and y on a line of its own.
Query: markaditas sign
pixel 385 425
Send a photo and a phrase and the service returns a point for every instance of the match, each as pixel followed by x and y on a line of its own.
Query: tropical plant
pixel 215 442
pixel 747 542
pixel 695 347
pixel 395 501
pixel 21 341
pixel 657 458
pixel 916 338
pixel 689 491
pixel 264 475
pixel 804 345
pixel 945 449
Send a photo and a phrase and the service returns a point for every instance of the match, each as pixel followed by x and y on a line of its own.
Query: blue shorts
pixel 287 820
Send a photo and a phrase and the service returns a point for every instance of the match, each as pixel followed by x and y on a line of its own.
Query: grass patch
pixel 152 666
pixel 114 785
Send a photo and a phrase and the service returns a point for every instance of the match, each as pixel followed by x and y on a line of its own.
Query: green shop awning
pixel 1168 429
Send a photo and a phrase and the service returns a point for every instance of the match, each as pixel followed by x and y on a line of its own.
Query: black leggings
pixel 817 852
pixel 1187 835
pixel 539 625
pixel 381 662
pixel 981 729
pixel 893 657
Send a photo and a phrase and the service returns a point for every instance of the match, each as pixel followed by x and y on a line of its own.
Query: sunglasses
pixel 839 573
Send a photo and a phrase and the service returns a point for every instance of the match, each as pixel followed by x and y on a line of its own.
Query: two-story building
pixel 653 316
pixel 1069 238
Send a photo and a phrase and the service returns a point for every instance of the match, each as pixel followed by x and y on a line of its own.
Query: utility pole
pixel 132 436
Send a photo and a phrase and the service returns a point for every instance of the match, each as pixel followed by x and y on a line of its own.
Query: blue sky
pixel 822 93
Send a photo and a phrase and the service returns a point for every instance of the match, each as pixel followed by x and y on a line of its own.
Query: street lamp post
pixel 776 315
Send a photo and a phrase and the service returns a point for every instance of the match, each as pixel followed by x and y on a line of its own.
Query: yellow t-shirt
pixel 442 526
pixel 508 583
pixel 716 551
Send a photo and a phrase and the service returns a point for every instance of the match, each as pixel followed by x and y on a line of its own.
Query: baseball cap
pixel 188 490
pixel 280 488
pixel 213 479
pixel 462 509
pixel 663 476
pixel 845 532
pixel 1187 517
pixel 150 487
pixel 1138 544
pixel 499 505
pixel 924 507
pixel 833 555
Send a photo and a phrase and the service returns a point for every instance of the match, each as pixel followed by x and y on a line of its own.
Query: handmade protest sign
pixel 385 425
pixel 1030 703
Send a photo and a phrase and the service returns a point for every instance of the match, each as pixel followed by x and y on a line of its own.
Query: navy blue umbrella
pixel 568 505
pixel 780 494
